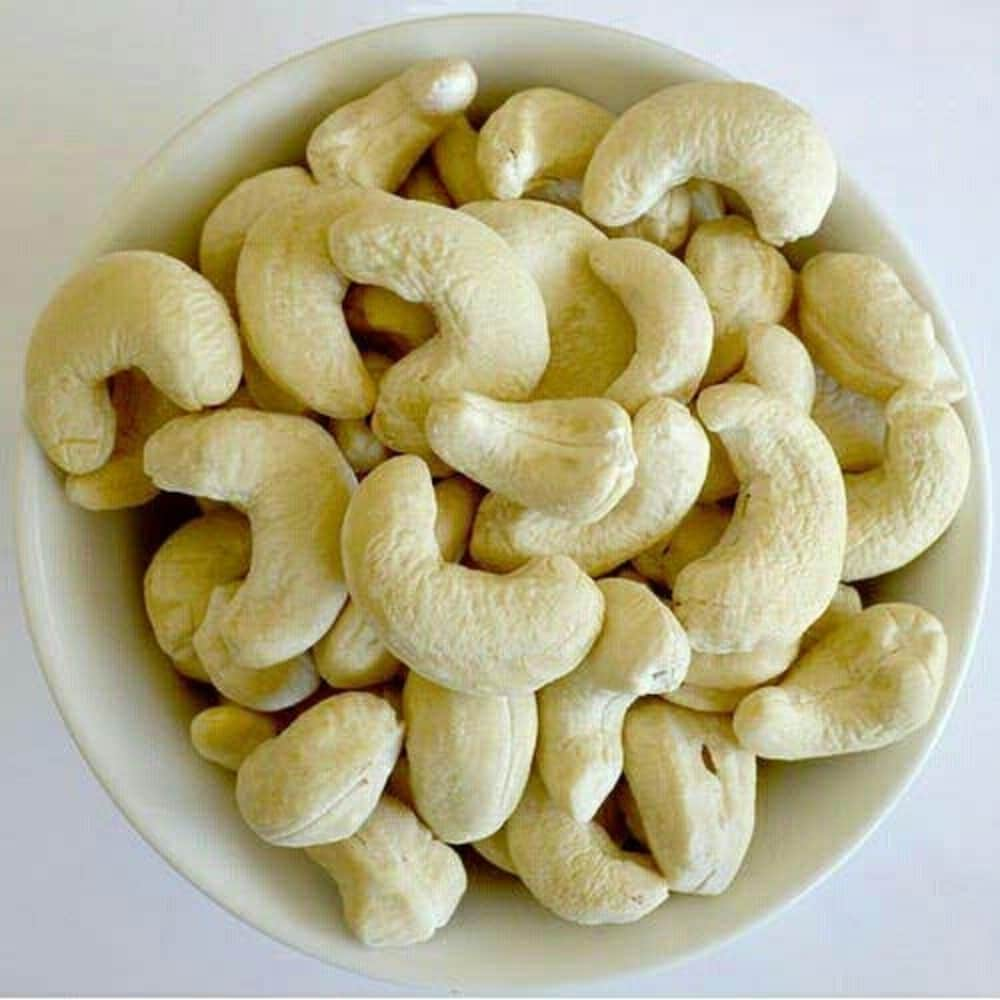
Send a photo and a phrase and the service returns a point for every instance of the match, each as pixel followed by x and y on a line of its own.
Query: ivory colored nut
pixel 454 156
pixel 375 140
pixel 591 334
pixel 355 438
pixel 461 628
pixel 897 510
pixel 288 476
pixel 397 883
pixel 778 563
pixel 199 556
pixel 227 734
pixel 853 424
pixel 491 331
pixel 741 135
pixel 641 650
pixel 575 869
pixel 387 322
pixel 321 778
pixel 673 323
pixel 134 309
pixel 697 534
pixel 571 458
pixel 673 454
pixel 470 756
pixel 423 184
pixel 865 685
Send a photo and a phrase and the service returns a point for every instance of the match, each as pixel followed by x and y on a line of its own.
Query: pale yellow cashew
pixel 697 534
pixel 263 392
pixel 385 321
pixel 227 734
pixel 454 156
pixel 355 438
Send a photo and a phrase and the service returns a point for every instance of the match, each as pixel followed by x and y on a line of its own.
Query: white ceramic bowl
pixel 128 711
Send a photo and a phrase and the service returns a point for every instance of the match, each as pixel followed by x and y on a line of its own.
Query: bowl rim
pixel 38 612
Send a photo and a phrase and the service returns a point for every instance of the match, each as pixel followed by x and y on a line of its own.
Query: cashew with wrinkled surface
pixel 454 156
pixel 133 309
pixel 853 424
pixel 865 685
pixel 423 184
pixel 355 438
pixel 227 734
pixel 696 535
pixel 375 140
pixel 398 884
pixel 321 778
pixel 641 650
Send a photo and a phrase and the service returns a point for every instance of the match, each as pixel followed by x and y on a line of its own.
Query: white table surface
pixel 88 91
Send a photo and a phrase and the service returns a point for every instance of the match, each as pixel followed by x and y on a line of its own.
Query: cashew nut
pixel 865 685
pixel 641 650
pixel 134 309
pixel 397 883
pixel 673 454
pixel 570 458
pixel 321 778
pixel 899 509
pixel 375 140
pixel 355 438
pixel 696 535
pixel 746 137
pixel 454 156
pixel 387 322
pixel 227 734
pixel 853 424
pixel 423 184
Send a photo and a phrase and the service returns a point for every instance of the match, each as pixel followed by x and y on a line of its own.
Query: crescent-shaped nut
pixel 778 563
pixel 470 757
pixel 321 778
pixel 290 298
pixel 140 409
pixel 846 604
pixel 741 135
pixel 288 476
pixel 694 788
pixel 575 869
pixel 862 325
pixel 423 184
pixel 865 685
pixel 641 650
pixel 375 140
pixel 454 156
pixel 853 424
pixel 673 323
pixel 591 334
pixel 397 883
pixel 227 225
pixel 133 309
pixel 673 454
pixel 199 556
pixel 714 701
pixel 697 534
pixel 386 322
pixel 897 510
pixel 571 458
pixel 491 331
pixel 227 734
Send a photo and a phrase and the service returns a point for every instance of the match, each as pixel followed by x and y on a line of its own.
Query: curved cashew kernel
pixel 263 392
pixel 322 777
pixel 673 454
pixel 694 787
pixel 641 650
pixel 134 309
pixel 386 321
pixel 351 654
pixel 575 869
pixel 714 701
pixel 778 563
pixel 862 325
pixel 470 756
pixel 746 137
pixel 227 734
pixel 697 534
pixel 228 223
pixel 454 156
pixel 287 474
pixel 491 336
pixel 355 438
pixel 846 604
pixel 375 140
pixel 853 424
pixel 591 334
pixel 494 848
pixel 290 297
pixel 571 458
pixel 140 409
pixel 745 280
pixel 461 628
pixel 706 201
pixel 423 184
pixel 398 884
pixel 865 685
pixel 199 556
pixel 899 509
pixel 673 324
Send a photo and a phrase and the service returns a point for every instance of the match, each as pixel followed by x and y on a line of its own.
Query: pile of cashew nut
pixel 534 486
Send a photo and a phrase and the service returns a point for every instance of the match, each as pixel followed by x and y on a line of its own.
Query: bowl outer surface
pixel 128 712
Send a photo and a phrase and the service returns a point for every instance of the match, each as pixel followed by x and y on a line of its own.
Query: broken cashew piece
pixel 641 650
pixel 853 424
pixel 454 156
pixel 746 137
pixel 227 734
pixel 865 685
pixel 571 458
pixel 697 534
pixel 375 140
pixel 133 309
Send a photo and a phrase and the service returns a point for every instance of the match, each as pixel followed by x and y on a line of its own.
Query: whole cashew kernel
pixel 227 734
pixel 697 534
pixel 355 438
pixel 454 156
pixel 387 322
pixel 423 184
pixel 853 424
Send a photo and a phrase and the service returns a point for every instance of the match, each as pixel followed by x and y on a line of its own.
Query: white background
pixel 89 90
